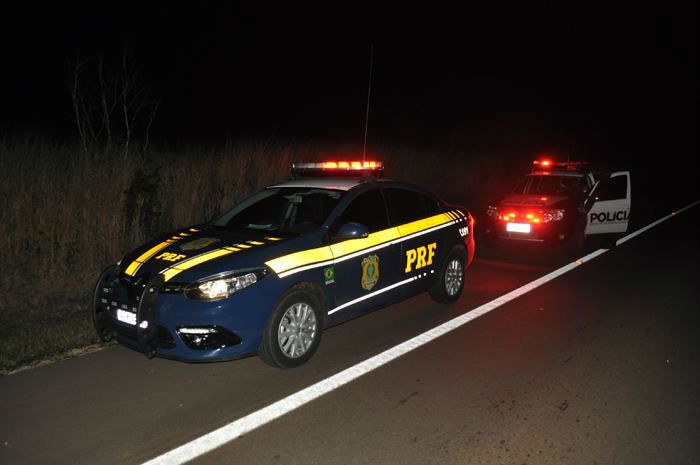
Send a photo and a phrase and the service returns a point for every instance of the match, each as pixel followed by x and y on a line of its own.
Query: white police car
pixel 562 202
pixel 268 275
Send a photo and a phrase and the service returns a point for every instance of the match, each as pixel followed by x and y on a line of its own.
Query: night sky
pixel 587 79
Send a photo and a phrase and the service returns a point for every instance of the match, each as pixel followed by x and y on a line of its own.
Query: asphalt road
pixel 600 365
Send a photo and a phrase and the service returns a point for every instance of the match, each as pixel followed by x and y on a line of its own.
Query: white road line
pixel 252 421
pixel 649 226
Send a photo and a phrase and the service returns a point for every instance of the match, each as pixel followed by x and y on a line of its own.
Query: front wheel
pixel 293 331
pixel 450 280
pixel 100 309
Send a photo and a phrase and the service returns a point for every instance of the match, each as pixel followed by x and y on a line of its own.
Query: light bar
pixel 342 165
pixel 549 165
pixel 542 163
pixel 351 167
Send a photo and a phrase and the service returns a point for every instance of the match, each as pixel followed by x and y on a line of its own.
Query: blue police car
pixel 267 276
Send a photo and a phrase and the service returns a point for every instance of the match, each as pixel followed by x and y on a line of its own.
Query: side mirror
pixel 351 231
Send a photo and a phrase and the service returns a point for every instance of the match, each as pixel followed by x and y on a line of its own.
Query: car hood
pixel 527 200
pixel 197 251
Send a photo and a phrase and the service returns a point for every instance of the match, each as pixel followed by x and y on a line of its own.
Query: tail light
pixel 535 217
pixel 552 215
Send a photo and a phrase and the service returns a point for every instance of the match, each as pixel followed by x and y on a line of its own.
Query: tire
pixel 300 312
pixel 449 283
pixel 100 318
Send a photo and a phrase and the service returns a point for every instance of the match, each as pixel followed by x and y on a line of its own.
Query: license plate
pixel 518 227
pixel 126 317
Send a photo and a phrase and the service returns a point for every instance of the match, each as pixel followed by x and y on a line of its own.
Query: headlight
pixel 223 285
pixel 552 215
pixel 492 211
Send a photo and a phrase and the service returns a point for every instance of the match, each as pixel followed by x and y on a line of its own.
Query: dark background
pixel 581 80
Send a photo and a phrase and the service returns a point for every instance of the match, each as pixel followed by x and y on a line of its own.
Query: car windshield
pixel 548 185
pixel 283 210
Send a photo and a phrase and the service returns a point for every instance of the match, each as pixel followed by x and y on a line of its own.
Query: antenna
pixel 369 92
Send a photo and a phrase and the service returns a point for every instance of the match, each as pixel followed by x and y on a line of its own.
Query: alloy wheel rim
pixel 297 330
pixel 453 277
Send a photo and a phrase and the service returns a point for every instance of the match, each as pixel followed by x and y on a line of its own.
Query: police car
pixel 267 276
pixel 562 202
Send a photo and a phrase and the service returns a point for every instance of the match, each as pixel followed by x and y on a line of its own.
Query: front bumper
pixel 555 231
pixel 163 322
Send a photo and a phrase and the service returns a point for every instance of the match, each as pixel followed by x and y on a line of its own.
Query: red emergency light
pixel 347 165
pixel 542 163
pixel 339 168
pixel 544 166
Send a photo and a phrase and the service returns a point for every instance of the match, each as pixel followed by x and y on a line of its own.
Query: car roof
pixel 342 183
pixel 335 183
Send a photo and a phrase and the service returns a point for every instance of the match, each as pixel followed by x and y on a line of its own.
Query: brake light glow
pixel 536 217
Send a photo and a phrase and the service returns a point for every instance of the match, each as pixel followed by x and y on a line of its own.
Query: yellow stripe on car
pixel 297 259
pixel 194 261
pixel 421 225
pixel 355 245
pixel 336 252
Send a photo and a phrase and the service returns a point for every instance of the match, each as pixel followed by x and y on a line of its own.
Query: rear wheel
pixel 450 280
pixel 293 331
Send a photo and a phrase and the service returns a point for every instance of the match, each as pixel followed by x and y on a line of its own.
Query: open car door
pixel 609 204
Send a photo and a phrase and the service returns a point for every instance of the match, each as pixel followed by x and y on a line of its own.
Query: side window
pixel 404 205
pixel 614 189
pixel 368 209
pixel 432 207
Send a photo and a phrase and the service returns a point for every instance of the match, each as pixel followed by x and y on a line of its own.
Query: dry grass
pixel 66 214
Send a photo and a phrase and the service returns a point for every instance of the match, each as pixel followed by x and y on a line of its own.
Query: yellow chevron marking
pixel 131 269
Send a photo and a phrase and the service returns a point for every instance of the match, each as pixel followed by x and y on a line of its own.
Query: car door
pixel 420 253
pixel 611 204
pixel 365 269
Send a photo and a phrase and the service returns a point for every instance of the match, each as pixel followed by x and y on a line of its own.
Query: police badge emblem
pixel 199 243
pixel 370 271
